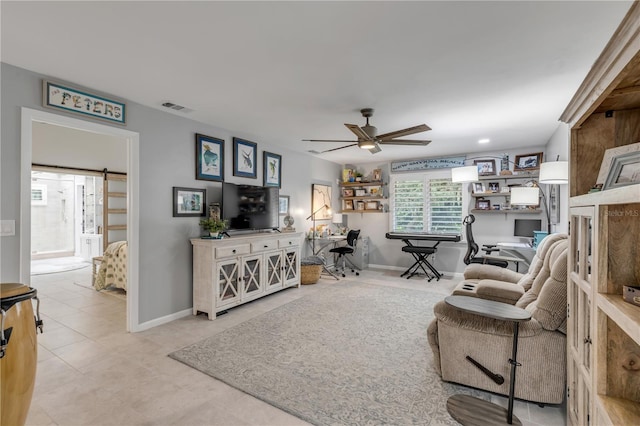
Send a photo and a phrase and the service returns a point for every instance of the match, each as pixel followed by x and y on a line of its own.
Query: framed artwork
pixel 375 191
pixel 625 170
pixel 478 188
pixel 528 162
pixel 377 175
pixel 360 192
pixel 321 196
pixel 209 158
pixel 494 186
pixel 483 204
pixel 271 168
pixel 244 158
pixel 347 192
pixel 66 98
pixel 189 202
pixel 348 204
pixel 283 205
pixel 608 158
pixel 360 205
pixel 486 167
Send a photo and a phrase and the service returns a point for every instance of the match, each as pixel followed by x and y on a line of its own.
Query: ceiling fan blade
pixel 404 132
pixel 327 140
pixel 335 149
pixel 405 142
pixel 358 131
pixel 375 149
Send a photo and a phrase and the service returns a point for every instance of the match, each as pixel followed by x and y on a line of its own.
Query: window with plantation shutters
pixel 426 203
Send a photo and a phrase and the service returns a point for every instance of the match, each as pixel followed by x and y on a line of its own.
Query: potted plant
pixel 213 225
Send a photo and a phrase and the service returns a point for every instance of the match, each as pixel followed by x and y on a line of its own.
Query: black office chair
pixel 472 247
pixel 343 251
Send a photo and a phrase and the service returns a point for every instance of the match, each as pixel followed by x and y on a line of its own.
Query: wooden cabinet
pixel 233 271
pixel 362 197
pixel 603 331
pixel 495 199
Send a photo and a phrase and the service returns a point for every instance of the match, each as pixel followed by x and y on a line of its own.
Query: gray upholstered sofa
pixel 455 334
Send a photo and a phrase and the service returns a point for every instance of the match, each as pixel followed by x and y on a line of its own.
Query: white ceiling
pixel 281 72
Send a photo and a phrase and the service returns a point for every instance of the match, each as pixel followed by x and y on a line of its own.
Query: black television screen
pixel 250 207
pixel 525 227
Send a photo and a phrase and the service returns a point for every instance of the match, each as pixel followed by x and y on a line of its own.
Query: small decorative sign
pixel 58 96
pixel 426 163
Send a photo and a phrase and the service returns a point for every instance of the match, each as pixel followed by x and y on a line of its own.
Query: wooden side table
pixel 469 410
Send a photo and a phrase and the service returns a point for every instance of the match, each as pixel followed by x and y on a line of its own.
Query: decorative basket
pixel 310 269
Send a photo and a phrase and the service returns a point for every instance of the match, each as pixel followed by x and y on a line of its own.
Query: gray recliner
pixel 455 334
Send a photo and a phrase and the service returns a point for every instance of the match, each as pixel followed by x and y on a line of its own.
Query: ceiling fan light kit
pixel 368 136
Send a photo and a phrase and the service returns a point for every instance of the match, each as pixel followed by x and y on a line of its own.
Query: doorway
pixel 30 120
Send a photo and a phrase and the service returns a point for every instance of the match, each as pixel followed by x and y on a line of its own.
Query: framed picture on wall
pixel 528 161
pixel 283 205
pixel 486 167
pixel 189 202
pixel 209 158
pixel 321 201
pixel 271 168
pixel 244 158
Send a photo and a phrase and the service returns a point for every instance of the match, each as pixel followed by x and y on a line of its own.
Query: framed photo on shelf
pixel 272 169
pixel 494 186
pixel 486 167
pixel 348 204
pixel 478 188
pixel 375 191
pixel 483 204
pixel 528 162
pixel 244 158
pixel 360 192
pixel 371 205
pixel 376 176
pixel 625 170
pixel 209 158
pixel 360 205
pixel 608 157
pixel 347 192
pixel 188 202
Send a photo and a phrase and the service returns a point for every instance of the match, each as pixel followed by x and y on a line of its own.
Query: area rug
pixel 349 354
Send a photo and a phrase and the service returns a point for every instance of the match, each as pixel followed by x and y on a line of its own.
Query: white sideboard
pixel 232 271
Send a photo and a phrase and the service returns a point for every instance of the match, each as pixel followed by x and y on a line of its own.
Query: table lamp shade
pixel 464 174
pixel 525 196
pixel 337 218
pixel 554 172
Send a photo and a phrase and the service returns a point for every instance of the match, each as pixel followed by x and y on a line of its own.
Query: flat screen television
pixel 525 227
pixel 248 207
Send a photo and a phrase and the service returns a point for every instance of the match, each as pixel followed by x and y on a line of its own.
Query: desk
pixel 469 410
pixel 319 244
pixel 522 250
pixel 420 253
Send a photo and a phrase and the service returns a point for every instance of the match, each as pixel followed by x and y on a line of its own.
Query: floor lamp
pixel 312 216
pixel 551 172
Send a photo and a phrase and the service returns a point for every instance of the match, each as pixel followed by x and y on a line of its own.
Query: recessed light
pixel 484 140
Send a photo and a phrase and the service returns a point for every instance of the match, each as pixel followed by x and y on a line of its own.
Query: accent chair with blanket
pixel 455 334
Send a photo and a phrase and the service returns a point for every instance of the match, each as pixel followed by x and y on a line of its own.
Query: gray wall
pixel 559 146
pixel 167 157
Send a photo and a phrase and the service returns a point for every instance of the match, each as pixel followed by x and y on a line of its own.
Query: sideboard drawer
pixel 232 250
pixel 288 242
pixel 257 247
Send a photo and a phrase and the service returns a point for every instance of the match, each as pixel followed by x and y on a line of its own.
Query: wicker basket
pixel 310 269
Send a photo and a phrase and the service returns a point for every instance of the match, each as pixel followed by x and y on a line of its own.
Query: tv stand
pixel 235 270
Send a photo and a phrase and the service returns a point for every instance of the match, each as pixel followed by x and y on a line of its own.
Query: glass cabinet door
pixel 251 277
pixel 274 270
pixel 228 285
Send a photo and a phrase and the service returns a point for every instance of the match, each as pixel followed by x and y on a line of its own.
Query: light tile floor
pixel 92 372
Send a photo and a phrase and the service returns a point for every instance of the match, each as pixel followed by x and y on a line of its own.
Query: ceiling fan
pixel 368 137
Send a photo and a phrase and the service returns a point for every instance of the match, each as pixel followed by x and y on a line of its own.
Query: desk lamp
pixel 312 216
pixel 337 220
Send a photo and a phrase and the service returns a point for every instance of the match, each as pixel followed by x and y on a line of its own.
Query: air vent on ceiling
pixel 176 107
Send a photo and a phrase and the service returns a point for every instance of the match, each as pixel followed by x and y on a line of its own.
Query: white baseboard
pixel 163 320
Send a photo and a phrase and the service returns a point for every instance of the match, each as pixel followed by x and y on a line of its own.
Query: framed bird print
pixel 271 169
pixel 244 158
pixel 209 158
